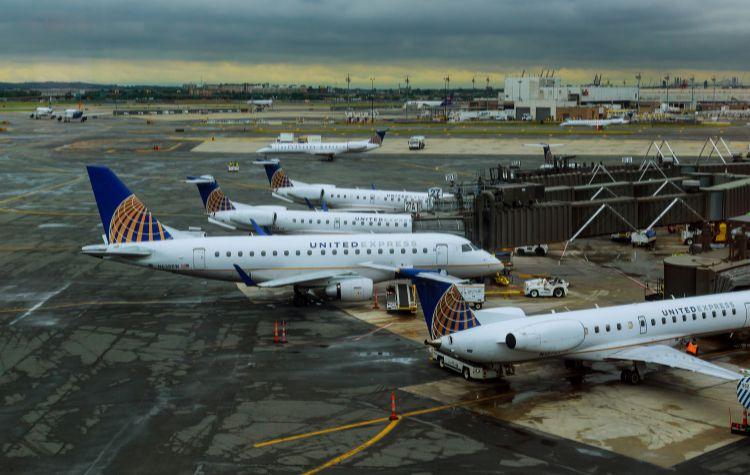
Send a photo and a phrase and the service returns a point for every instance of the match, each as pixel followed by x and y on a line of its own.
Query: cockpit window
pixel 475 248
pixel 465 248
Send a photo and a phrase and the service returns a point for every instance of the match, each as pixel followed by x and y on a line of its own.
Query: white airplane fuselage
pixel 328 149
pixel 592 334
pixel 279 220
pixel 360 199
pixel 593 122
pixel 268 258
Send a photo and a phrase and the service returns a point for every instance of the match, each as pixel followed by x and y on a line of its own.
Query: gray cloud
pixel 471 33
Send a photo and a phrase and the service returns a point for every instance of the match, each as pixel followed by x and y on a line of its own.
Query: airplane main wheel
pixel 466 374
pixel 635 377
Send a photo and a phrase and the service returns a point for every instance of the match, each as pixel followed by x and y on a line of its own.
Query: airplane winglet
pixel 258 229
pixel 323 206
pixel 245 277
pixel 309 205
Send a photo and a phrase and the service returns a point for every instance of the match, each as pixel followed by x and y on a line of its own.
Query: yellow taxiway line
pixel 40 190
pixel 355 425
pixel 356 450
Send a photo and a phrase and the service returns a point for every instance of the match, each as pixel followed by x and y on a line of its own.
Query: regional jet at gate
pixel 279 220
pixel 343 267
pixel 627 335
pixel 349 199
pixel 326 149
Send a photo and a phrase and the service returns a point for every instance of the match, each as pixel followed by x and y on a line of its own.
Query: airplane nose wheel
pixel 630 376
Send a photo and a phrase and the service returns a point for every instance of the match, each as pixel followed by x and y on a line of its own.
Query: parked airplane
pixel 598 123
pixel 627 335
pixel 343 267
pixel 326 149
pixel 279 220
pixel 350 199
pixel 261 102
pixel 427 104
pixel 43 113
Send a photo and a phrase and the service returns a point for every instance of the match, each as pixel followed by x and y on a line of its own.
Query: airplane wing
pixel 300 278
pixel 412 272
pixel 668 356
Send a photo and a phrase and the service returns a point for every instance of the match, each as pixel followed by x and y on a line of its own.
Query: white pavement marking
pixel 38 304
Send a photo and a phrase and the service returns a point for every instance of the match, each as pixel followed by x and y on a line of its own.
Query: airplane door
pixel 372 198
pixel 642 325
pixel 199 258
pixel 441 254
pixel 336 223
pixel 747 312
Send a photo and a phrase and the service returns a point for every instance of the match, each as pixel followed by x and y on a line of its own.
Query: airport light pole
pixel 406 104
pixel 713 80
pixel 638 93
pixel 348 96
pixel 445 108
pixel 692 92
pixel 372 100
pixel 666 81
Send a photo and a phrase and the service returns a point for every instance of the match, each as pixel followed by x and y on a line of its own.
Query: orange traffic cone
pixel 283 331
pixel 375 304
pixel 394 416
pixel 276 331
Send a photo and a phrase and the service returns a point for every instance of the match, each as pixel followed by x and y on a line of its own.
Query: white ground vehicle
pixel 417 142
pixel 466 369
pixel 552 287
pixel 473 294
pixel 645 238
pixel 538 249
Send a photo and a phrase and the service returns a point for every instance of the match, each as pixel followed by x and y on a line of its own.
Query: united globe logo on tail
pixel 218 201
pixel 451 314
pixel 132 222
pixel 280 180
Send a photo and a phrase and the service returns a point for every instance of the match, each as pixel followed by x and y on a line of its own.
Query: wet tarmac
pixel 107 368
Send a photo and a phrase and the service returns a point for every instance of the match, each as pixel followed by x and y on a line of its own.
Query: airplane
pixel 341 267
pixel 326 149
pixel 427 104
pixel 597 123
pixel 350 199
pixel 629 336
pixel 280 220
pixel 552 161
pixel 261 102
pixel 43 113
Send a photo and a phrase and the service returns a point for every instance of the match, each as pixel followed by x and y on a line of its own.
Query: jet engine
pixel 263 217
pixel 312 193
pixel 556 336
pixel 351 290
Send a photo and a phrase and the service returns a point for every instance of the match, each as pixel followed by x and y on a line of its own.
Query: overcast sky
pixel 320 41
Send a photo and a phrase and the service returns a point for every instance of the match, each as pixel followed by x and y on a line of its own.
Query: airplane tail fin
pixel 445 310
pixel 125 218
pixel 213 198
pixel 378 137
pixel 277 178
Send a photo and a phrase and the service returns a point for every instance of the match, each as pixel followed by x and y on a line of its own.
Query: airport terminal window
pixel 216 254
pixel 229 253
pixel 309 252
pixel 596 329
pixel 239 253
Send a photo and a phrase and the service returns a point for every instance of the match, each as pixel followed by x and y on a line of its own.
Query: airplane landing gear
pixel 301 298
pixel 631 376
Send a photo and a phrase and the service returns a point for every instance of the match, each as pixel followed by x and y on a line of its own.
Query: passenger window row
pixel 362 223
pixel 334 252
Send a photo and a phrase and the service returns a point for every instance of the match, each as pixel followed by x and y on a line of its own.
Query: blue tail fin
pixel 276 176
pixel 213 198
pixel 378 137
pixel 445 310
pixel 124 217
